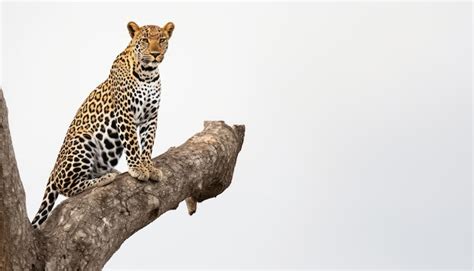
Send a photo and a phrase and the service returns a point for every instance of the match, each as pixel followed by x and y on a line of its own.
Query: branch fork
pixel 84 231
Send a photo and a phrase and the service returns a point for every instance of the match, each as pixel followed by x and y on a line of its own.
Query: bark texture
pixel 18 246
pixel 84 231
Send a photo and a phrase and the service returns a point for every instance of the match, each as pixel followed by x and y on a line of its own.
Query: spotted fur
pixel 120 115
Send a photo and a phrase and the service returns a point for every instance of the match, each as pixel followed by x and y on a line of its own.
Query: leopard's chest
pixel 145 102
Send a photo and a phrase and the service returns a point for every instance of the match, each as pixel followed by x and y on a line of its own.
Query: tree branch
pixel 17 244
pixel 84 231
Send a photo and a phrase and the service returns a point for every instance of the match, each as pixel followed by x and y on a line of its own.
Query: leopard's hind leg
pixel 79 168
pixel 51 194
pixel 86 169
pixel 91 183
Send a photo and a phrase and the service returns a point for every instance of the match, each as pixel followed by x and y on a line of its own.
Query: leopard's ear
pixel 169 27
pixel 132 28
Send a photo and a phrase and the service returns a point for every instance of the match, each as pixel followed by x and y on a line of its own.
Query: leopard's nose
pixel 155 54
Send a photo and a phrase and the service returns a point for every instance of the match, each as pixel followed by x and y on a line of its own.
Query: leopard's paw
pixel 140 173
pixel 107 178
pixel 155 173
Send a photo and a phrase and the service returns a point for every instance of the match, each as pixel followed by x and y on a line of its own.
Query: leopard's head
pixel 149 43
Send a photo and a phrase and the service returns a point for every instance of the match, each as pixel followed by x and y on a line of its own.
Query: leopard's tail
pixel 49 198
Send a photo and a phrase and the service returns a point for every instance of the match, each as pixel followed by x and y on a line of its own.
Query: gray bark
pixel 84 231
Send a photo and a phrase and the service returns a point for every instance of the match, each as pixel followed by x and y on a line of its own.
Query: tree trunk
pixel 84 231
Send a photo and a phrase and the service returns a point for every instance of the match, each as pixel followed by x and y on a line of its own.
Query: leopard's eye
pixel 145 42
pixel 162 40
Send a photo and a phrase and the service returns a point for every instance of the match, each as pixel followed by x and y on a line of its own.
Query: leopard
pixel 119 115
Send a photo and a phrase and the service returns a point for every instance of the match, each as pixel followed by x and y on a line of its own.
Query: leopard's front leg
pixel 128 135
pixel 147 138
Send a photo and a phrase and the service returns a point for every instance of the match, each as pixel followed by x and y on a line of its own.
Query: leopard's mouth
pixel 152 62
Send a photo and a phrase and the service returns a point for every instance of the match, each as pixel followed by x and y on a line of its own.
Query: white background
pixel 358 116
